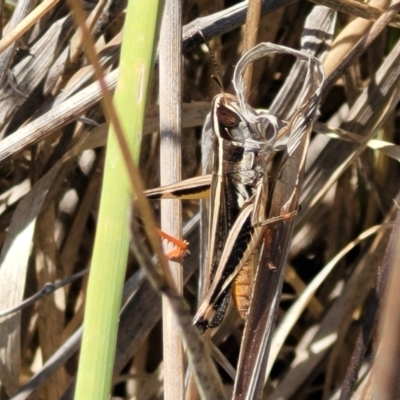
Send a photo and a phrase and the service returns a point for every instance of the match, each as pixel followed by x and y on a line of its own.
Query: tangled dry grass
pixel 338 304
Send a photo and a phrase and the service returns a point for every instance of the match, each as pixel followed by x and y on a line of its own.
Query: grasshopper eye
pixel 227 117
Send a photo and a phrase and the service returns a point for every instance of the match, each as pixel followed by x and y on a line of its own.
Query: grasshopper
pixel 244 141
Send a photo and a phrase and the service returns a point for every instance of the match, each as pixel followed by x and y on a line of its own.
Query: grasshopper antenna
pixel 216 78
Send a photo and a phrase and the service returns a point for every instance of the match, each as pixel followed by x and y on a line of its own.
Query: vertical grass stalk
pixel 170 172
pixel 112 236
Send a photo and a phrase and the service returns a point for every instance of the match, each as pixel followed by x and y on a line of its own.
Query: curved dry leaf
pixel 261 315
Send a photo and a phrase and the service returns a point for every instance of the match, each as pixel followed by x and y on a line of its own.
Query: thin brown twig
pixel 250 40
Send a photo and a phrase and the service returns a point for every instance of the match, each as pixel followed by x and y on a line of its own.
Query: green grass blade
pixel 112 236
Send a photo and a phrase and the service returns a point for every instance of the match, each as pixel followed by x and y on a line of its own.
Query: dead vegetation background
pixel 51 181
